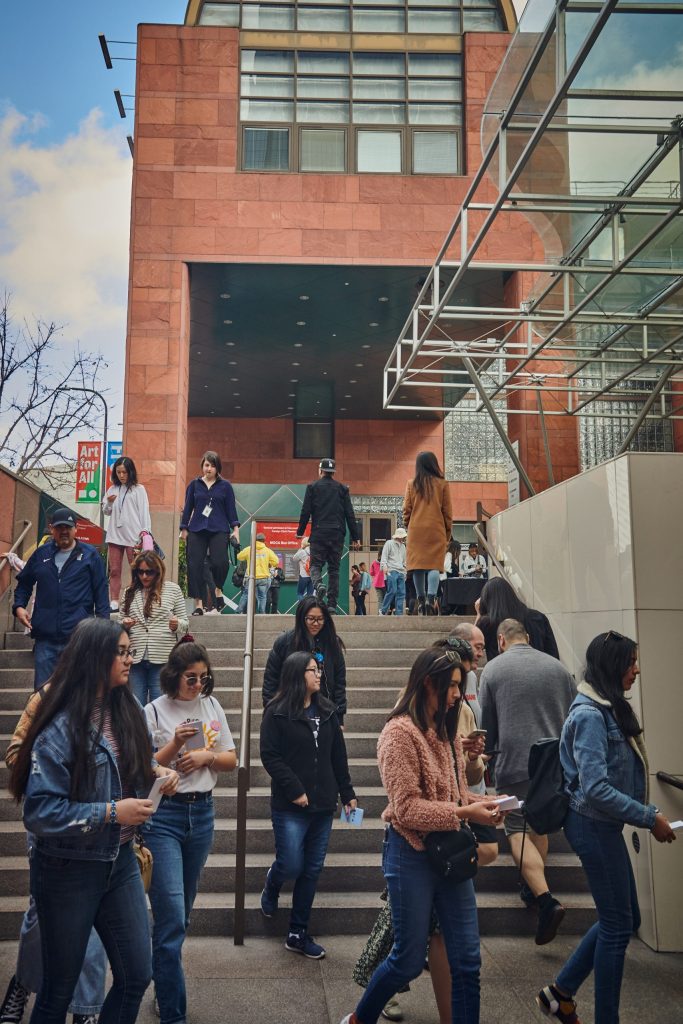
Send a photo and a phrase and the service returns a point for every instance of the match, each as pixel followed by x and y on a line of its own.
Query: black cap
pixel 327 465
pixel 62 517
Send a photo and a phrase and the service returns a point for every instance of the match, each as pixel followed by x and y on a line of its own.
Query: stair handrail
pixel 244 762
pixel 481 537
pixel 4 561
pixel 671 780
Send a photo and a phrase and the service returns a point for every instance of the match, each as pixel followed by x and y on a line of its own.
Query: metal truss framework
pixel 589 325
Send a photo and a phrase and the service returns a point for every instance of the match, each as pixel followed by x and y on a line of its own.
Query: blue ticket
pixel 354 818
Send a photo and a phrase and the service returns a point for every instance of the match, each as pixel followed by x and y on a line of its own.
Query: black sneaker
pixel 301 942
pixel 198 611
pixel 14 1003
pixel 526 896
pixel 321 592
pixel 86 1018
pixel 550 914
pixel 553 1004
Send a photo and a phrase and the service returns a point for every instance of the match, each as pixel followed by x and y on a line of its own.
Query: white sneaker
pixel 347 1019
pixel 113 606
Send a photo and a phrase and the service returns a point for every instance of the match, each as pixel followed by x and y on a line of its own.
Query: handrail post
pixel 243 769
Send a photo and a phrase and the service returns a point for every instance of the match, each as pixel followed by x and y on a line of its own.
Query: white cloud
pixel 64 232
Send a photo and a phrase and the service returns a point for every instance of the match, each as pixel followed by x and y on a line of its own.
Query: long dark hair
pixel 129 466
pixel 301 640
pixel 291 692
pixel 426 469
pixel 154 591
pixel 498 601
pixel 83 669
pixel 608 659
pixel 184 654
pixel 435 665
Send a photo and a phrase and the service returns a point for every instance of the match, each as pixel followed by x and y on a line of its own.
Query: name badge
pixel 206 511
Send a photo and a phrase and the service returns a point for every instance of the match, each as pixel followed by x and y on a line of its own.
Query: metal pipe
pixel 244 763
pixel 640 419
pixel 546 442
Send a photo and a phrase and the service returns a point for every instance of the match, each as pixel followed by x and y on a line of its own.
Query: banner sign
pixel 88 471
pixel 114 452
pixel 282 539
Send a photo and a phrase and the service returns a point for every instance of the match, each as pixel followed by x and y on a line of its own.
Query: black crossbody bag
pixel 453 854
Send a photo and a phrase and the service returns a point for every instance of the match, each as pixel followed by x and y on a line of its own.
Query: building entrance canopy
pixel 581 137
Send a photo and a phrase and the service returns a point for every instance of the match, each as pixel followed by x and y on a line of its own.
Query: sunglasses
pixel 462 647
pixel 146 572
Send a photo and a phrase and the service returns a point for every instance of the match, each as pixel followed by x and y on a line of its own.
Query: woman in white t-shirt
pixel 191 734
pixel 127 507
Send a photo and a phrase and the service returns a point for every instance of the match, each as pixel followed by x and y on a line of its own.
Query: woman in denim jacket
pixel 86 758
pixel 605 767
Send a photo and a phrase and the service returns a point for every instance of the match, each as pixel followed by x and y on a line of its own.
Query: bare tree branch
pixel 38 412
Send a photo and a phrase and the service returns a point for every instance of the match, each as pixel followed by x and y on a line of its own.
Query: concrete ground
pixel 261 983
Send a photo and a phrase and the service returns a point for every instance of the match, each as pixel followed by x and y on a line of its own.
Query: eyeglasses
pixel 316 620
pixel 126 652
pixel 146 572
pixel 193 680
pixel 317 670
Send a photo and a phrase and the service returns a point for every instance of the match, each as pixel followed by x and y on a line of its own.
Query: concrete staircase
pixel 379 652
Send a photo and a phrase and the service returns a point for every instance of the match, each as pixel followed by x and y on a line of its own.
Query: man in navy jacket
pixel 70 585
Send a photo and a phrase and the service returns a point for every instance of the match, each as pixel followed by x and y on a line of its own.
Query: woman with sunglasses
pixel 315 634
pixel 191 734
pixel 303 751
pixel 84 771
pixel 606 778
pixel 154 614
pixel 423 771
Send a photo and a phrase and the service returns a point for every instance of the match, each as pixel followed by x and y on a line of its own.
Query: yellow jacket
pixel 265 558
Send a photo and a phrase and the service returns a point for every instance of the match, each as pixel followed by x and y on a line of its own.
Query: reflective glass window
pixel 389 20
pixel 324 19
pixel 268 60
pixel 379 89
pixel 434 21
pixel 323 88
pixel 379 64
pixel 435 153
pixel 433 113
pixel 379 152
pixel 266 110
pixel 312 62
pixel 316 113
pixel 266 149
pixel 445 65
pixel 435 89
pixel 220 14
pixel 481 21
pixel 323 149
pixel 379 113
pixel 267 85
pixel 267 16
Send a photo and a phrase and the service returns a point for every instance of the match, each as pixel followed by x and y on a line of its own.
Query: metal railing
pixel 481 537
pixel 4 561
pixel 244 763
pixel 670 780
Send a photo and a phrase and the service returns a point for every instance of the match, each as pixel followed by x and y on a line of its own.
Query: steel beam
pixel 642 415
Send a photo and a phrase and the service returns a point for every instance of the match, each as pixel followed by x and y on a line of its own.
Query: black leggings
pixel 197 546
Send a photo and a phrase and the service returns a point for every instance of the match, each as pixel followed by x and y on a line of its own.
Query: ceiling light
pixel 346 284
pixel 213 412
pixel 304 298
pixel 365 346
pixel 294 380
pixel 301 323
pixel 205 386
pixel 227 321
pixel 237 406
pixel 324 373
pixel 198 352
pixel 334 335
pixel 383 298
pixel 373 324
pixel 342 408
pixel 234 379
pixel 289 408
pixel 231 344
pixel 232 362
pixel 296 364
pixel 359 364
pixel 353 382
pixel 225 295
pixel 235 394
pixel 292 394
pixel 348 396
pixel 298 344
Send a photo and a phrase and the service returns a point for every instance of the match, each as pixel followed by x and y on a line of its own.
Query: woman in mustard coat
pixel 427 518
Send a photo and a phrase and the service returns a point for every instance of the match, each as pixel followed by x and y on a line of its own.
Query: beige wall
pixel 602 551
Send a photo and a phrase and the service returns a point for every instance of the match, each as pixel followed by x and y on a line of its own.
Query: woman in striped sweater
pixel 154 614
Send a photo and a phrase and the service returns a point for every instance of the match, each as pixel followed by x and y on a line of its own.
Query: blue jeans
pixel 179 836
pixel 602 850
pixel 261 594
pixel 304 587
pixel 432 578
pixel 396 590
pixel 46 654
pixel 300 846
pixel 73 895
pixel 89 992
pixel 144 681
pixel 413 888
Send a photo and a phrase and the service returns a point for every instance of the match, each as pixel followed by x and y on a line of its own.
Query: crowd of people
pixel 120 747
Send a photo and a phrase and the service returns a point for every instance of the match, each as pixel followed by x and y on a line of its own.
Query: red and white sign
pixel 281 536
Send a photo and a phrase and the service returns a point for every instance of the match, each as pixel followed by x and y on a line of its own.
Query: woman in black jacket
pixel 313 633
pixel 303 751
pixel 498 601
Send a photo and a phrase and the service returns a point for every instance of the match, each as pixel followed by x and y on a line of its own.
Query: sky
pixel 65 170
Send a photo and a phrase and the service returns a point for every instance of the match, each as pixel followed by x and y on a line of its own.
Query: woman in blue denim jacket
pixel 605 767
pixel 86 758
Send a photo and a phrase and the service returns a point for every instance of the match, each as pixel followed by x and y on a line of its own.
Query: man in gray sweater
pixel 525 696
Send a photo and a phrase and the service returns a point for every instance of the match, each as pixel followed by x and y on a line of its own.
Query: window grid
pixel 366 91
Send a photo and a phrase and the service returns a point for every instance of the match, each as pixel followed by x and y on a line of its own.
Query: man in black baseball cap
pixel 70 585
pixel 327 503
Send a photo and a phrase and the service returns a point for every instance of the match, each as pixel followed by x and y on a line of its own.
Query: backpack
pixel 238 575
pixel 546 802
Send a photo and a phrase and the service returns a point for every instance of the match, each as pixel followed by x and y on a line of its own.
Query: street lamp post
pixel 92 391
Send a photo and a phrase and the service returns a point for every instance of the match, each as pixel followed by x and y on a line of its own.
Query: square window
pixel 321 19
pixel 267 85
pixel 379 152
pixel 389 20
pixel 267 16
pixel 323 149
pixel 435 113
pixel 265 149
pixel 321 113
pixel 435 153
pixel 266 110
pixel 436 22
pixel 268 61
pixel 313 440
pixel 379 113
pixel 220 14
